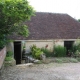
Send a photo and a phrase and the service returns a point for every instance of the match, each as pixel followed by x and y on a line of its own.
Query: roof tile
pixel 51 26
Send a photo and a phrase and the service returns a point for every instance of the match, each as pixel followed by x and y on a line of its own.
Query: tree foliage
pixel 12 15
pixel 79 20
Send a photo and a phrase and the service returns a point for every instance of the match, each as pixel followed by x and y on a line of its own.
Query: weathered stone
pixel 24 65
pixel 10 63
pixel 43 57
pixel 37 61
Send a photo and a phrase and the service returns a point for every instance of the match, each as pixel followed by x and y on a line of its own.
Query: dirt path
pixel 52 71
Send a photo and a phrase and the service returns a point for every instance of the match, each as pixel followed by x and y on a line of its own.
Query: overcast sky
pixel 71 7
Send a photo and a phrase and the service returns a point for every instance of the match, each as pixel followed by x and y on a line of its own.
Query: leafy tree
pixel 12 15
pixel 79 20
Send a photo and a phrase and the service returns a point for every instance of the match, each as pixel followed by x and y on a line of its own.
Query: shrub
pixel 47 52
pixel 60 51
pixel 36 52
pixel 76 48
pixel 77 45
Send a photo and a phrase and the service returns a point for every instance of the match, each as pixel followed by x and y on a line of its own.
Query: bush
pixel 76 45
pixel 76 48
pixel 47 52
pixel 36 52
pixel 59 51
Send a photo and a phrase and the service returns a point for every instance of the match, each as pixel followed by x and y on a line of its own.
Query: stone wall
pixel 2 56
pixel 40 44
pixel 43 43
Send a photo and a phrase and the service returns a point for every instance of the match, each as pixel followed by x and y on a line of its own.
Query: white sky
pixel 71 7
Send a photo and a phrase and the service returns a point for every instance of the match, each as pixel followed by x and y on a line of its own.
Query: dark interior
pixel 17 52
pixel 68 45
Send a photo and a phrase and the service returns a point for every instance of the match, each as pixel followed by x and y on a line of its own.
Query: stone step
pixel 24 65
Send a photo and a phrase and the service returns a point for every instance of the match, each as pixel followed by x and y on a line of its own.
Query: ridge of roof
pixel 51 13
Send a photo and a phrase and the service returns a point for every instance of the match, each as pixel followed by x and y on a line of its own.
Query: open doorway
pixel 17 52
pixel 68 45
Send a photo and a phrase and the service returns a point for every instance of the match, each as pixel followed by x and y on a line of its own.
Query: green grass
pixel 8 59
pixel 63 60
pixel 78 58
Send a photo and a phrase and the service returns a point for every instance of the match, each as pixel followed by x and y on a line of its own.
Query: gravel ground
pixel 51 71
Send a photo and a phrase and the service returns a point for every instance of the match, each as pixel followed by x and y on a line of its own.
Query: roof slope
pixel 52 26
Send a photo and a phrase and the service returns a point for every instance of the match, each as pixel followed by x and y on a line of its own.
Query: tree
pixel 79 20
pixel 12 15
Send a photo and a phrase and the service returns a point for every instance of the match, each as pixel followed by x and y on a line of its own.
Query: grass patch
pixel 62 60
pixel 78 59
pixel 8 59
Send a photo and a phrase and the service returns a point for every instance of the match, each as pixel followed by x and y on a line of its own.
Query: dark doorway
pixel 17 52
pixel 68 45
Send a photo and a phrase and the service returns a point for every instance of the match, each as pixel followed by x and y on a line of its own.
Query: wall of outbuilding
pixel 44 43
pixel 39 43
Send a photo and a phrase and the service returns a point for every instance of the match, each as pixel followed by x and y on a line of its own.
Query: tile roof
pixel 51 26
